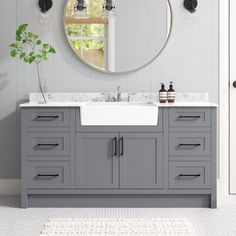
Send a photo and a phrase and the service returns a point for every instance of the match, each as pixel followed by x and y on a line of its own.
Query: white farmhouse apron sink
pixel 118 114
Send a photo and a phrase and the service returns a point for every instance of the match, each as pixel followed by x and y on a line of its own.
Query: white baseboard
pixel 231 200
pixel 9 186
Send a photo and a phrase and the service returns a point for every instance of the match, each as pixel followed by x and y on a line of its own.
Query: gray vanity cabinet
pixel 172 164
pixel 97 160
pixel 141 160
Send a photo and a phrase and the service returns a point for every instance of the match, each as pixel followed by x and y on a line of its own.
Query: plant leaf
pixel 52 50
pixel 26 60
pixel 30 35
pixel 31 59
pixel 13 45
pixel 45 46
pixel 18 38
pixel 13 53
pixel 22 55
pixel 22 27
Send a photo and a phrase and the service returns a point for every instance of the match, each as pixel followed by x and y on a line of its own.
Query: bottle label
pixel 171 94
pixel 163 96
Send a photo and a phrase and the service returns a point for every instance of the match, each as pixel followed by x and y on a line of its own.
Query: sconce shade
pixel 191 5
pixel 109 5
pixel 81 5
pixel 109 8
pixel 45 5
pixel 80 9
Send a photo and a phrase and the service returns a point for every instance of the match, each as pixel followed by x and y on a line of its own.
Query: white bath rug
pixel 118 227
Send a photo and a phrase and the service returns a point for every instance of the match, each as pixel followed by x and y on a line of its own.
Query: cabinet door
pixel 96 160
pixel 140 160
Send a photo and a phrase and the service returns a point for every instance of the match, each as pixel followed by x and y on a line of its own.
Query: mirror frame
pixel 123 72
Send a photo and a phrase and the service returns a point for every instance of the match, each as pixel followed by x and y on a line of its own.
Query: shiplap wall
pixel 190 60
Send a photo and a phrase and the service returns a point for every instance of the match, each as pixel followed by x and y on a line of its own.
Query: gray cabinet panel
pixel 189 117
pixel 135 129
pixel 47 144
pixel 47 174
pixel 97 160
pixel 189 144
pixel 61 157
pixel 189 175
pixel 140 160
pixel 44 117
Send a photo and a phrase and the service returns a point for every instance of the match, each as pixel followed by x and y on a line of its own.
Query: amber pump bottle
pixel 171 93
pixel 162 94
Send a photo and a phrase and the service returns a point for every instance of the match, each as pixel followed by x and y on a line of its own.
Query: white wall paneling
pixel 232 97
pixel 190 59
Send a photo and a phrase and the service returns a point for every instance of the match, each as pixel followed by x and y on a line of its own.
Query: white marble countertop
pixel 79 104
pixel 79 99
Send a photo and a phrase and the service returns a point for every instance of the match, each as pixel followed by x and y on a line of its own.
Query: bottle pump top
pixel 162 86
pixel 171 85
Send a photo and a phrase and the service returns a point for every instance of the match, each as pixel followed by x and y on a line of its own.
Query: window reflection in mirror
pixel 88 35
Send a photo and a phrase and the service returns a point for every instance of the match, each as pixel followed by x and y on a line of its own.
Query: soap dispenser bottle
pixel 162 94
pixel 171 93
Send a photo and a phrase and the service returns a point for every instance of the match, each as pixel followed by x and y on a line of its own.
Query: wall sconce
pixel 45 5
pixel 80 9
pixel 191 5
pixel 45 16
pixel 109 8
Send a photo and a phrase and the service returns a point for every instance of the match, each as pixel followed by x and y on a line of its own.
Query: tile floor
pixel 15 221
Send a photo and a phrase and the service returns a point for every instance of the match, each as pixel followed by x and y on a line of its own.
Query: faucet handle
pixel 107 97
pixel 118 88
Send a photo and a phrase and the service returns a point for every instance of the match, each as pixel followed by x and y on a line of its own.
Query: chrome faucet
pixel 118 98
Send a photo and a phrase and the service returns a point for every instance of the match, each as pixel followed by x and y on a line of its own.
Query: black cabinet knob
pixel 234 84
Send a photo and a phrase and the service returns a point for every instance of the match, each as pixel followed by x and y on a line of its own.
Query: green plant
pixel 31 49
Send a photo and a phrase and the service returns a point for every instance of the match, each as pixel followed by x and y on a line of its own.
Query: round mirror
pixel 117 36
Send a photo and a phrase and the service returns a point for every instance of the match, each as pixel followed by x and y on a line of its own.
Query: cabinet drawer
pixel 189 144
pixel 47 174
pixel 47 117
pixel 189 175
pixel 189 117
pixel 46 144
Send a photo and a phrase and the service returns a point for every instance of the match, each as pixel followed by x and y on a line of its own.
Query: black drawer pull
pixel 189 117
pixel 114 147
pixel 47 144
pixel 189 144
pixel 185 175
pixel 47 117
pixel 53 176
pixel 122 146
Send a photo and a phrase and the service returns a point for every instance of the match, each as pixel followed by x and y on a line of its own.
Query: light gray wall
pixel 190 60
